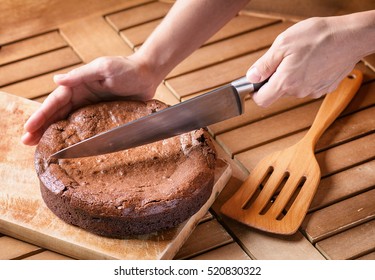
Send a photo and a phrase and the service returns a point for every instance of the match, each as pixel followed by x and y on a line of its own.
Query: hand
pixel 105 78
pixel 308 59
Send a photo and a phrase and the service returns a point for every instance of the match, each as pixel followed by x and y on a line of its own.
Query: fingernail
pixel 25 137
pixel 59 77
pixel 253 75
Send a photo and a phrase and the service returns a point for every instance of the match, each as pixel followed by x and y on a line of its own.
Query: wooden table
pixel 55 36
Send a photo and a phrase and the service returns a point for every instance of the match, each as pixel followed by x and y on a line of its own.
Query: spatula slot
pixel 281 216
pixel 258 188
pixel 273 197
pixel 292 198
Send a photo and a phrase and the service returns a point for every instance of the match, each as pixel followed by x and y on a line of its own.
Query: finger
pixel 268 93
pixel 51 109
pixel 77 76
pixel 317 95
pixel 264 67
pixel 31 139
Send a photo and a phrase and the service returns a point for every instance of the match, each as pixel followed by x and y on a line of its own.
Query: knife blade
pixel 212 107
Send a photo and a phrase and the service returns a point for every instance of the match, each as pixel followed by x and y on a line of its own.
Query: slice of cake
pixel 131 192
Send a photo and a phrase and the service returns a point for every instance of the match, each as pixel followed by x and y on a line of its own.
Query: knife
pixel 209 108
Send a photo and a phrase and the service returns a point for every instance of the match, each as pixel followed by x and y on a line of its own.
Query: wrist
pixel 147 69
pixel 152 65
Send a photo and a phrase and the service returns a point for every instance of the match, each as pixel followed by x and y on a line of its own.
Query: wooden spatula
pixel 278 192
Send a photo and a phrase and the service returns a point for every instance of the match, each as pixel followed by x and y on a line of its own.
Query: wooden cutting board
pixel 24 215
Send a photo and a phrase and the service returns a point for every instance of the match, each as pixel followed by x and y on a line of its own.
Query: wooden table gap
pixel 41 250
pixel 349 244
pixel 244 32
pixel 338 187
pixel 232 234
pixel 116 19
pixel 369 256
pixel 35 55
pixel 36 76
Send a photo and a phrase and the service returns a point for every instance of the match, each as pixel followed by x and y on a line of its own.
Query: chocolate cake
pixel 131 192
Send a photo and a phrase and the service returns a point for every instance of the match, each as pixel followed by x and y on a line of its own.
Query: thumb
pixel 264 67
pixel 77 76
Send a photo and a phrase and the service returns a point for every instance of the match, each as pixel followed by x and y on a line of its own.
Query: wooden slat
pixel 340 216
pixel 230 48
pixel 369 256
pixel 368 73
pixel 14 249
pixel 40 99
pixel 255 134
pixel 364 98
pixel 305 9
pixel 22 19
pixel 37 65
pixel 138 15
pixel 342 130
pixel 31 46
pixel 165 95
pixel 238 176
pixel 207 217
pixel 263 246
pixel 347 128
pixel 212 76
pixel 249 159
pixel 370 61
pixel 37 86
pixel 342 157
pixel 135 36
pixel 255 113
pixel 350 244
pixel 344 184
pixel 333 160
pixel 205 237
pixel 47 255
pixel 92 37
pixel 232 251
pixel 241 24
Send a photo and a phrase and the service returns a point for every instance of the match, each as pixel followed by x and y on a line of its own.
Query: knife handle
pixel 257 86
pixel 244 88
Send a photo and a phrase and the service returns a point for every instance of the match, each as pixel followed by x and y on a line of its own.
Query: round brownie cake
pixel 131 192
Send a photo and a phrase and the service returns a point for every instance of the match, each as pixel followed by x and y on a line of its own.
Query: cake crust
pixel 131 192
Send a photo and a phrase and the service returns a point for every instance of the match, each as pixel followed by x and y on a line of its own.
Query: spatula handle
pixel 333 104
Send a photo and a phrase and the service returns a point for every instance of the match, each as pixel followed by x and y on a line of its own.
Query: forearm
pixel 185 28
pixel 359 32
